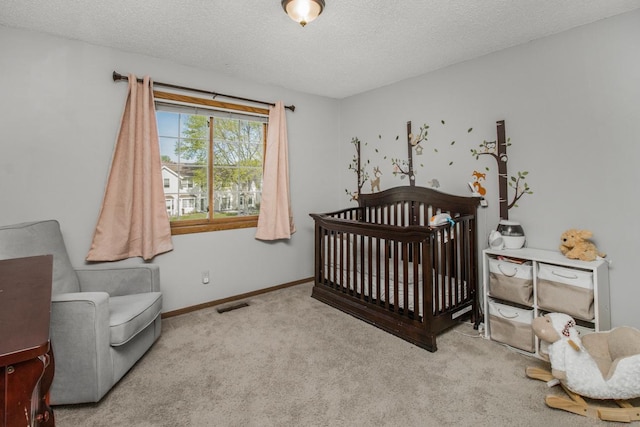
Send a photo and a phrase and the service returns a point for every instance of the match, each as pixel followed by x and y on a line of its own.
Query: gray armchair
pixel 103 319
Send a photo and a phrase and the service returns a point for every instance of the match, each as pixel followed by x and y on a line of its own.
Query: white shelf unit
pixel 599 269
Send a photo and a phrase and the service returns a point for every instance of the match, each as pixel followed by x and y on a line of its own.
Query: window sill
pixel 190 227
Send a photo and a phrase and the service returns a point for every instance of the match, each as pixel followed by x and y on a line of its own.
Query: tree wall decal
pixel 498 150
pixel 416 142
pixel 361 171
pixel 405 168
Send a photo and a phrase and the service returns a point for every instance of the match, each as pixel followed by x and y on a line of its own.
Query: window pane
pixel 167 123
pixel 194 134
pixel 224 154
pixel 237 158
pixel 184 165
pixel 169 149
pixel 195 189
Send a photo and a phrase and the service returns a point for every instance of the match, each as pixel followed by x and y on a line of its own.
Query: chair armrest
pixel 119 281
pixel 80 337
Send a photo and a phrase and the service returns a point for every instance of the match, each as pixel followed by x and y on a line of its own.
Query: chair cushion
pixel 130 314
pixel 41 238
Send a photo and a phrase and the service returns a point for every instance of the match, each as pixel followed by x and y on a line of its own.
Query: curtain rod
pixel 117 76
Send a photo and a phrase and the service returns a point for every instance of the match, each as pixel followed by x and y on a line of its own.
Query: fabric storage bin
pixel 511 325
pixel 566 290
pixel 510 281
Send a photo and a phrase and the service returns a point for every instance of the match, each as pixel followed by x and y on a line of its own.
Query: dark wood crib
pixel 381 262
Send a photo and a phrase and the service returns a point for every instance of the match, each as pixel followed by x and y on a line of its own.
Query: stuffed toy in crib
pixel 600 365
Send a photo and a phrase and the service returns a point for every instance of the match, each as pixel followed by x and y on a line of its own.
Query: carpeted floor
pixel 289 360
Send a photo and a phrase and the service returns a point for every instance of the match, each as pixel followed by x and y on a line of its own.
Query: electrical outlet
pixel 205 277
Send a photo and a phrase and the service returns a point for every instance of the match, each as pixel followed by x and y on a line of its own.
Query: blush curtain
pixel 276 219
pixel 133 221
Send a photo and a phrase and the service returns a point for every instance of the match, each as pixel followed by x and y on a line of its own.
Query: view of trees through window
pixel 211 166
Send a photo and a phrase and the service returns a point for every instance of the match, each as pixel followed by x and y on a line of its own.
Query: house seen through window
pixel 211 166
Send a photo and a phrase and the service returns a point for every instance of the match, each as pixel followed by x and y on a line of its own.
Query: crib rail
pixel 400 269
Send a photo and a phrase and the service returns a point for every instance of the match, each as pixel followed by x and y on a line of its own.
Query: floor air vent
pixel 232 307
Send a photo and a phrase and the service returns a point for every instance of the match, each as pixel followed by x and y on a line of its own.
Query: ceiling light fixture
pixel 303 11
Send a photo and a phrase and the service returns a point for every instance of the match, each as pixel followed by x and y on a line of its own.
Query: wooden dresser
pixel 26 357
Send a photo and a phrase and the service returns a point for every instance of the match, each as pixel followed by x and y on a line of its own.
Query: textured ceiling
pixel 354 46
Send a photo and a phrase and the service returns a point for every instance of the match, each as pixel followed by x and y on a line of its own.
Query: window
pixel 212 161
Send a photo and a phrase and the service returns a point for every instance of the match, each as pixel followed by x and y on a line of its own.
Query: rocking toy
pixel 601 365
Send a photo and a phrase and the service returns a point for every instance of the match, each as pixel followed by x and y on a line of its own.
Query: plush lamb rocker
pixel 601 365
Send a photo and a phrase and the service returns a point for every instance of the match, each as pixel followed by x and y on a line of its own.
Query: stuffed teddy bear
pixel 576 246
pixel 601 365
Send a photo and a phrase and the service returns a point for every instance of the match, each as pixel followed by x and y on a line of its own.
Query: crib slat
pixel 366 270
pixel 395 272
pixel 387 257
pixel 448 279
pixel 416 280
pixel 405 274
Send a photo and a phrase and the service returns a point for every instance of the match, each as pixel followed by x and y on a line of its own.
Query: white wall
pixel 571 103
pixel 59 117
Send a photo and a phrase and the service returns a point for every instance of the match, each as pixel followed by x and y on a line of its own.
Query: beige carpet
pixel 289 360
